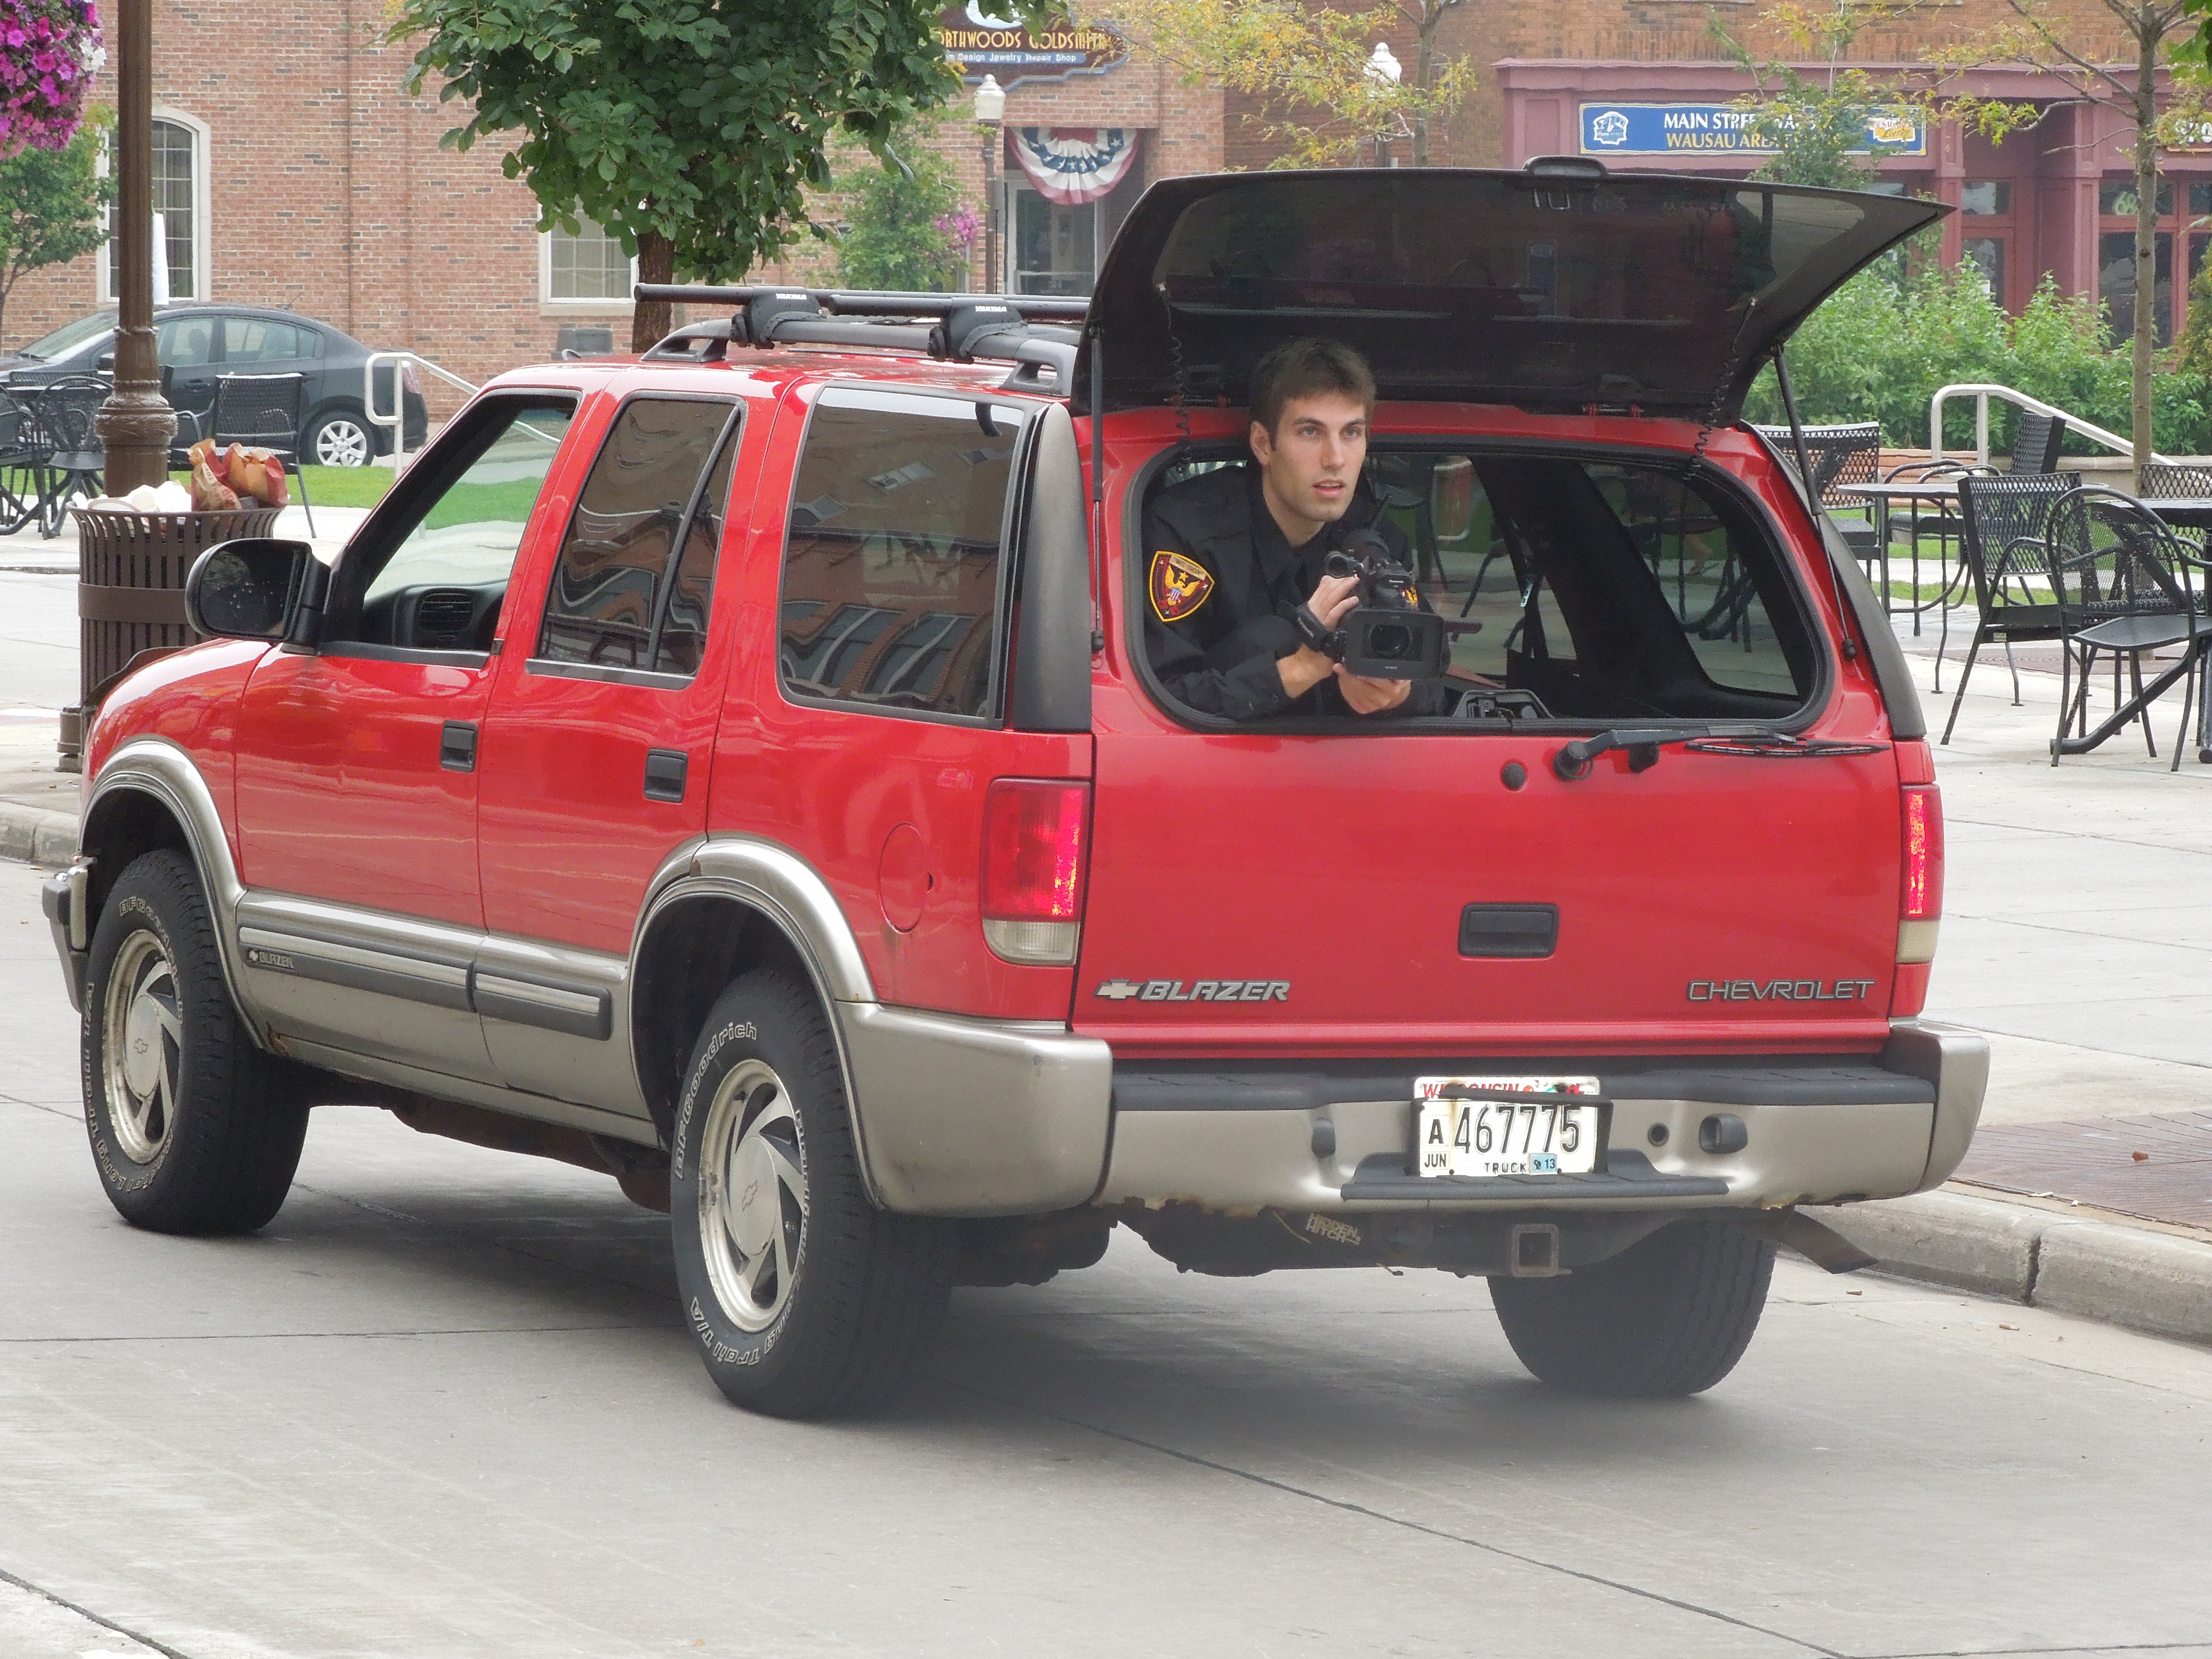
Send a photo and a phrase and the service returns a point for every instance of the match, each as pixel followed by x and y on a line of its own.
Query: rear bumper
pixel 975 1117
pixel 1817 1129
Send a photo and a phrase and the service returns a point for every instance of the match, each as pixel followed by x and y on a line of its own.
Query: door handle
pixel 456 747
pixel 664 772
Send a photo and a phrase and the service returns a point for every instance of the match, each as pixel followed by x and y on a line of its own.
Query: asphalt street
pixel 445 1407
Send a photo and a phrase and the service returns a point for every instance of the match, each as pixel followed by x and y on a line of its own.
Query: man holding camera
pixel 1233 555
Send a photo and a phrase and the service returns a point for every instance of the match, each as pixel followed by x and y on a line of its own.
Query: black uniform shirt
pixel 1217 655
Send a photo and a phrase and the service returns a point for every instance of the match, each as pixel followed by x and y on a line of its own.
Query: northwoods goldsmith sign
pixel 981 44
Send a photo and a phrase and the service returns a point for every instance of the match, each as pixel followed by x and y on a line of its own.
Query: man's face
pixel 1311 463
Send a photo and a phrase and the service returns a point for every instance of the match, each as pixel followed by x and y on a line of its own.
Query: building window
pixel 588 268
pixel 2116 268
pixel 1986 198
pixel 2116 198
pixel 180 198
pixel 1987 255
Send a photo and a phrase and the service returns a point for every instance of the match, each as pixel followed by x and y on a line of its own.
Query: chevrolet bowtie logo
pixel 1119 990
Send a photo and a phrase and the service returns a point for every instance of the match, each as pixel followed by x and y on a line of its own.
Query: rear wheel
pixel 1670 1315
pixel 804 1299
pixel 193 1128
pixel 340 438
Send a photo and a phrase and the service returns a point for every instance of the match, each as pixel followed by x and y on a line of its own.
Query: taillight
pixel 408 378
pixel 1920 897
pixel 1032 898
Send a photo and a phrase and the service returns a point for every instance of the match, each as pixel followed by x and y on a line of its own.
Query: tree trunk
pixel 656 263
pixel 1425 68
pixel 2146 248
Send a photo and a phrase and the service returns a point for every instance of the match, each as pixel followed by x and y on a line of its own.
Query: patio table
pixel 1941 493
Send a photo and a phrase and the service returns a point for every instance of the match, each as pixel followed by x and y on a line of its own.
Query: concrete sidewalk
pixel 2077 935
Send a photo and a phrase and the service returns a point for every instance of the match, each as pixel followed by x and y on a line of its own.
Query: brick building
pixel 291 166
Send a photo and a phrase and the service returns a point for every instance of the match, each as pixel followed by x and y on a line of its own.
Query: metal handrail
pixel 397 419
pixel 1982 393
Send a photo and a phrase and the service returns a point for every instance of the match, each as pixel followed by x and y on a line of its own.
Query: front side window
pixel 1588 590
pixel 185 342
pixel 891 574
pixel 631 587
pixel 432 572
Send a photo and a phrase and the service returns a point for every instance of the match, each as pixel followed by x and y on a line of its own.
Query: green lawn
pixel 338 486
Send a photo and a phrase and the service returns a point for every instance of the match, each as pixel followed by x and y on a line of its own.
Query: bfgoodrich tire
pixel 804 1299
pixel 1668 1316
pixel 194 1129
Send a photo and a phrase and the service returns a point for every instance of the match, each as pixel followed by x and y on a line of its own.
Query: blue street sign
pixel 1716 129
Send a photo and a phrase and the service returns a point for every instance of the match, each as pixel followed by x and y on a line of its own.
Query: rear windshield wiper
pixel 1573 760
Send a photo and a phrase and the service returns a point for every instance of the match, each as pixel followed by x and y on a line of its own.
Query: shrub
pixel 1879 348
pixel 905 233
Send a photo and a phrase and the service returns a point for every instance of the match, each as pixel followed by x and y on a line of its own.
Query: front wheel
pixel 1670 1315
pixel 193 1128
pixel 340 438
pixel 804 1299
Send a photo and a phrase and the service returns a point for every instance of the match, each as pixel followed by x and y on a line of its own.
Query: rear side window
pixel 636 570
pixel 892 573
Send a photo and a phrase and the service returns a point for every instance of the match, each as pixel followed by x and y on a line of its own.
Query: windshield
pixel 49 346
pixel 1573 589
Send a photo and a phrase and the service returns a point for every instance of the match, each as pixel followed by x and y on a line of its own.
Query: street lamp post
pixel 135 424
pixel 990 113
pixel 1385 70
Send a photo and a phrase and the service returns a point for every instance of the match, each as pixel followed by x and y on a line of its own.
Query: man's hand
pixel 1369 697
pixel 1305 668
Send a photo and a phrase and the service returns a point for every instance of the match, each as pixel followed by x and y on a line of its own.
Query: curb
pixel 32 836
pixel 2135 1276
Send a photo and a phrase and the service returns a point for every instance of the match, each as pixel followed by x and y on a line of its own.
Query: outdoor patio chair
pixel 2035 443
pixel 2001 543
pixel 2167 480
pixel 2126 586
pixel 66 413
pixel 1838 454
pixel 266 411
pixel 23 464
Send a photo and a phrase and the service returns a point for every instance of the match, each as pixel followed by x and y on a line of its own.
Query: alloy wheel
pixel 142 1047
pixel 341 442
pixel 753 1195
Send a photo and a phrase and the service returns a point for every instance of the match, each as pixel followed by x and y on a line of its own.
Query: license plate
pixel 1539 1129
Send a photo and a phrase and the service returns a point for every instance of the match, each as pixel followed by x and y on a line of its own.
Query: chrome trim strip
pixel 653 678
pixel 442 985
pixel 554 1008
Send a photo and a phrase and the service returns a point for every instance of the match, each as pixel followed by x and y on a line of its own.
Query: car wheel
pixel 806 1300
pixel 340 438
pixel 1670 1315
pixel 193 1128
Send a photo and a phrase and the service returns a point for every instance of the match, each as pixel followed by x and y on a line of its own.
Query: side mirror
pixel 106 364
pixel 258 589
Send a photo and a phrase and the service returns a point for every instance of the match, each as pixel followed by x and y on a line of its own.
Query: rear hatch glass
pixel 1553 291
pixel 1595 589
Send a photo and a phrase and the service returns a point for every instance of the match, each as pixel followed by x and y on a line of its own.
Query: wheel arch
pixel 150 796
pixel 721 909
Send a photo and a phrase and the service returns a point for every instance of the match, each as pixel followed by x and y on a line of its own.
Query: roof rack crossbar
pixel 868 302
pixel 830 331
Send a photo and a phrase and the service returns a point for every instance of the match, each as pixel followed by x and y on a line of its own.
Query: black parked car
pixel 196 343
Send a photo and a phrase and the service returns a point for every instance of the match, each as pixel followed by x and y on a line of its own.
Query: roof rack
pixel 1026 329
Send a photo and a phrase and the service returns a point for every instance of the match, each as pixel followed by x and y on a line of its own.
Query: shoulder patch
pixel 1178 585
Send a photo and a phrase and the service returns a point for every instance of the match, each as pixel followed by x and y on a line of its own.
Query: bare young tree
pixel 2122 75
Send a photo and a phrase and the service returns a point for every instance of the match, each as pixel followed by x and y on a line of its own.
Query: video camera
pixel 1388 636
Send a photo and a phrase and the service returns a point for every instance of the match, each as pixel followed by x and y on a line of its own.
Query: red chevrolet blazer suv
pixel 740 769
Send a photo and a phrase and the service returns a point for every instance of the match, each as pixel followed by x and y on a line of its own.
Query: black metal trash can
pixel 131 595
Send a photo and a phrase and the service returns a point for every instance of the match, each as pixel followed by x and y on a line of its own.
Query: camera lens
pixel 1390 641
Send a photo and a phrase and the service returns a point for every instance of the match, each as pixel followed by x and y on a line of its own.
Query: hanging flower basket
pixel 49 50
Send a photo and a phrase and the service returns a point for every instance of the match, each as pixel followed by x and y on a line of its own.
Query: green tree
pixel 690 129
pixel 53 205
pixel 1817 125
pixel 1307 65
pixel 2077 52
pixel 904 227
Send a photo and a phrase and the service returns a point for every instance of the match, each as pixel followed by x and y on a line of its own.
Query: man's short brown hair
pixel 1301 368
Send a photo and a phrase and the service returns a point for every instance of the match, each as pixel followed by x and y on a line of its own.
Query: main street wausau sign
pixel 981 44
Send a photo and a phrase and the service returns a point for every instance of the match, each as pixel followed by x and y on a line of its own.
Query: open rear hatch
pixel 1437 887
pixel 1554 289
